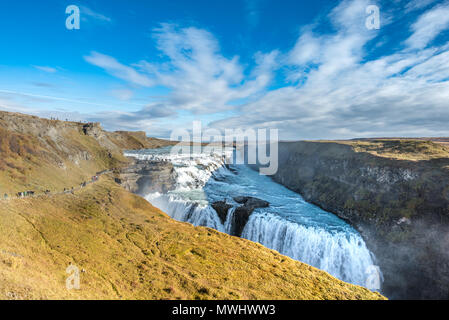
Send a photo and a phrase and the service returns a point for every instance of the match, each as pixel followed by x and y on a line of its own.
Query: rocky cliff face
pixel 144 177
pixel 400 206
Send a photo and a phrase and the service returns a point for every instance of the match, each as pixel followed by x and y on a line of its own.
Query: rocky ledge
pixel 241 213
pixel 144 177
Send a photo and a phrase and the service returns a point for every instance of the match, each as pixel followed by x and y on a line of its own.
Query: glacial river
pixel 289 225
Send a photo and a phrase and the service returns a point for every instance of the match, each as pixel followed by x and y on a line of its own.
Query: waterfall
pixel 344 256
pixel 228 222
pixel 186 211
pixel 290 225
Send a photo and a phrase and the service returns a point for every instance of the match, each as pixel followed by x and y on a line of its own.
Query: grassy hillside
pixel 136 140
pixel 130 250
pixel 40 154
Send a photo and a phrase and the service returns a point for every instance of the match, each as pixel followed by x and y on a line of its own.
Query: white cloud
pixel 342 95
pixel 349 16
pixel 85 11
pixel 46 69
pixel 333 90
pixel 200 79
pixel 115 68
pixel 306 50
pixel 428 26
pixel 413 5
pixel 122 94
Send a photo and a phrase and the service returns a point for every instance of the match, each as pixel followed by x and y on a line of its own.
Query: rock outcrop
pixel 144 177
pixel 251 203
pixel 396 193
pixel 222 208
pixel 241 213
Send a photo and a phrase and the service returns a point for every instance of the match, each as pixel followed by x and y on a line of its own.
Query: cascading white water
pixel 187 211
pixel 343 255
pixel 289 225
pixel 228 222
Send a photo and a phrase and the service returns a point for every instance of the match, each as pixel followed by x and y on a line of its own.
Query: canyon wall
pixel 395 192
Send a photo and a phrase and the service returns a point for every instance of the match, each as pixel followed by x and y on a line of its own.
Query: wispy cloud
pixel 46 69
pixel 122 94
pixel 144 119
pixel 252 10
pixel 200 79
pixel 428 26
pixel 86 13
pixel 413 5
pixel 117 69
pixel 42 97
pixel 43 84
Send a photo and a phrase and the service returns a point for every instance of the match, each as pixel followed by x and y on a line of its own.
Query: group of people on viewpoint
pixel 24 194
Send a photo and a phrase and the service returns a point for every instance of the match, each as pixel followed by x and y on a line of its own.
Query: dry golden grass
pixel 137 140
pixel 131 250
pixel 399 149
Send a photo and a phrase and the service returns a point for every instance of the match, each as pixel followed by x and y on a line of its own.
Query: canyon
pixel 125 247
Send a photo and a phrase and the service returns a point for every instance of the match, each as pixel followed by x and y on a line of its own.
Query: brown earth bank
pixel 123 247
pixel 394 191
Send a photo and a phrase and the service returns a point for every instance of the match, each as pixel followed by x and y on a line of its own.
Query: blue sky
pixel 309 68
